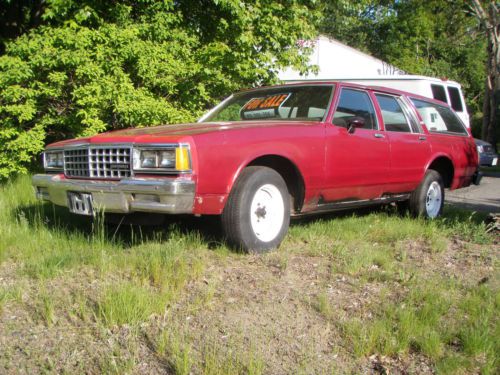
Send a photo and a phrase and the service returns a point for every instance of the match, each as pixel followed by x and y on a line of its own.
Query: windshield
pixel 296 103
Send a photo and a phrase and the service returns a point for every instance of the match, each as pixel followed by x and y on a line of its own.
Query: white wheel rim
pixel 433 199
pixel 267 212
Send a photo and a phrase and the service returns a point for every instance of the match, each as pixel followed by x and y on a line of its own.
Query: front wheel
pixel 428 199
pixel 257 214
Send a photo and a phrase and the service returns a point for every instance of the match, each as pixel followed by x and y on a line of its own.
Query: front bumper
pixel 488 160
pixel 158 195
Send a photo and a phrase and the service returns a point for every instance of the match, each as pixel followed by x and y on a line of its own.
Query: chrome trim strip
pixel 202 118
pixel 352 204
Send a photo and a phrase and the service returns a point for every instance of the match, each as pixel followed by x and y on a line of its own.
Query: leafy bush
pixel 94 66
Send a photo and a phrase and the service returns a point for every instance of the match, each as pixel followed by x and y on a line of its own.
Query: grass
pixel 45 308
pixel 174 346
pixel 452 324
pixel 128 303
pixel 454 327
pixel 9 294
pixel 121 284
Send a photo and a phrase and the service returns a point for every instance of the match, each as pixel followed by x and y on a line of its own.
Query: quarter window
pixel 354 103
pixel 392 113
pixel 439 119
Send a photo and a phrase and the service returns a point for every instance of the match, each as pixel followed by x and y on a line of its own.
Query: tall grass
pixel 454 326
pixel 325 235
pixel 151 265
pixel 139 272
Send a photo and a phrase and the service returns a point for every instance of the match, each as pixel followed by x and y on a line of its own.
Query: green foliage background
pixel 92 66
pixel 73 68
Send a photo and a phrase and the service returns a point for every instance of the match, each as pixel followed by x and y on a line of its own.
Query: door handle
pixel 378 135
pixel 422 138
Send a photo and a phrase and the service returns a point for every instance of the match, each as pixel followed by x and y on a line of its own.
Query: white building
pixel 339 61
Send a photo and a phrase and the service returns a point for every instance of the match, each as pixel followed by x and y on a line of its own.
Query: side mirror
pixel 355 122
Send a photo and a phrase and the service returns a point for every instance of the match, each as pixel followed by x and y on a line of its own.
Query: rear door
pixel 409 147
pixel 357 164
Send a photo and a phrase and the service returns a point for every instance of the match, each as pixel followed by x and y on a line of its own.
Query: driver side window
pixel 354 103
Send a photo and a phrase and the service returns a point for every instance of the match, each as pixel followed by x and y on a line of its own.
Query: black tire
pixel 246 230
pixel 428 199
pixel 403 207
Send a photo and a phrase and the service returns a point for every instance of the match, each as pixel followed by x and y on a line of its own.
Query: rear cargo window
pixel 456 101
pixel 439 119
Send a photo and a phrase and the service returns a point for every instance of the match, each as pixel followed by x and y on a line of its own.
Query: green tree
pixel 354 22
pixel 98 65
pixel 429 37
pixel 434 38
pixel 488 17
pixel 17 17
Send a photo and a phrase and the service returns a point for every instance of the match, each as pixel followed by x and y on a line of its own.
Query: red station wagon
pixel 266 154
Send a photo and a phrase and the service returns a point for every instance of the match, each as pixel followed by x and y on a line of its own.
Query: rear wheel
pixel 257 214
pixel 428 199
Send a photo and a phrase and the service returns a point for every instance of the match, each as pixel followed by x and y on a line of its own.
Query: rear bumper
pixel 165 195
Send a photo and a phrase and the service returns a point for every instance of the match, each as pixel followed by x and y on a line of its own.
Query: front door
pixel 357 163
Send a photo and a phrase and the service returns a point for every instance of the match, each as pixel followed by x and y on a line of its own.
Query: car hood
pixel 150 134
pixel 480 142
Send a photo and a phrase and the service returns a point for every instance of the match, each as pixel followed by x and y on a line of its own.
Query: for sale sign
pixel 263 107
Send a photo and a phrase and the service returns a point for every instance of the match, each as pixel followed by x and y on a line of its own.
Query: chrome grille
pixel 97 162
pixel 76 163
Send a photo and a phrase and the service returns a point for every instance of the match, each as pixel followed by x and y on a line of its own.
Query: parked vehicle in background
pixel 266 154
pixel 486 152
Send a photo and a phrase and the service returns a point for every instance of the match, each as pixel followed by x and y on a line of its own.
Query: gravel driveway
pixel 485 197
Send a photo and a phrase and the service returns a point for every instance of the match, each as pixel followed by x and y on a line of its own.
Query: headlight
pixel 175 159
pixel 53 160
pixel 148 159
pixel 480 148
pixel 167 159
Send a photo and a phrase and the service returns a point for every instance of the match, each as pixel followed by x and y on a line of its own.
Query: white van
pixel 447 91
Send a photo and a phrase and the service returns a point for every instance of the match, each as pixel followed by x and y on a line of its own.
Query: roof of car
pixel 386 90
pixel 401 77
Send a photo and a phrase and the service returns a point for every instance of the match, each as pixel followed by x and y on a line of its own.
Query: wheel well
pixel 445 168
pixel 289 172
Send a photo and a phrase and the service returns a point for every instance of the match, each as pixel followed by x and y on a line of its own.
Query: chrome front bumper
pixel 159 195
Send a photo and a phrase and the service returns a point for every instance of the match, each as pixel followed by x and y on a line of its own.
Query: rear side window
pixel 456 101
pixel 439 119
pixel 438 92
pixel 354 103
pixel 392 113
